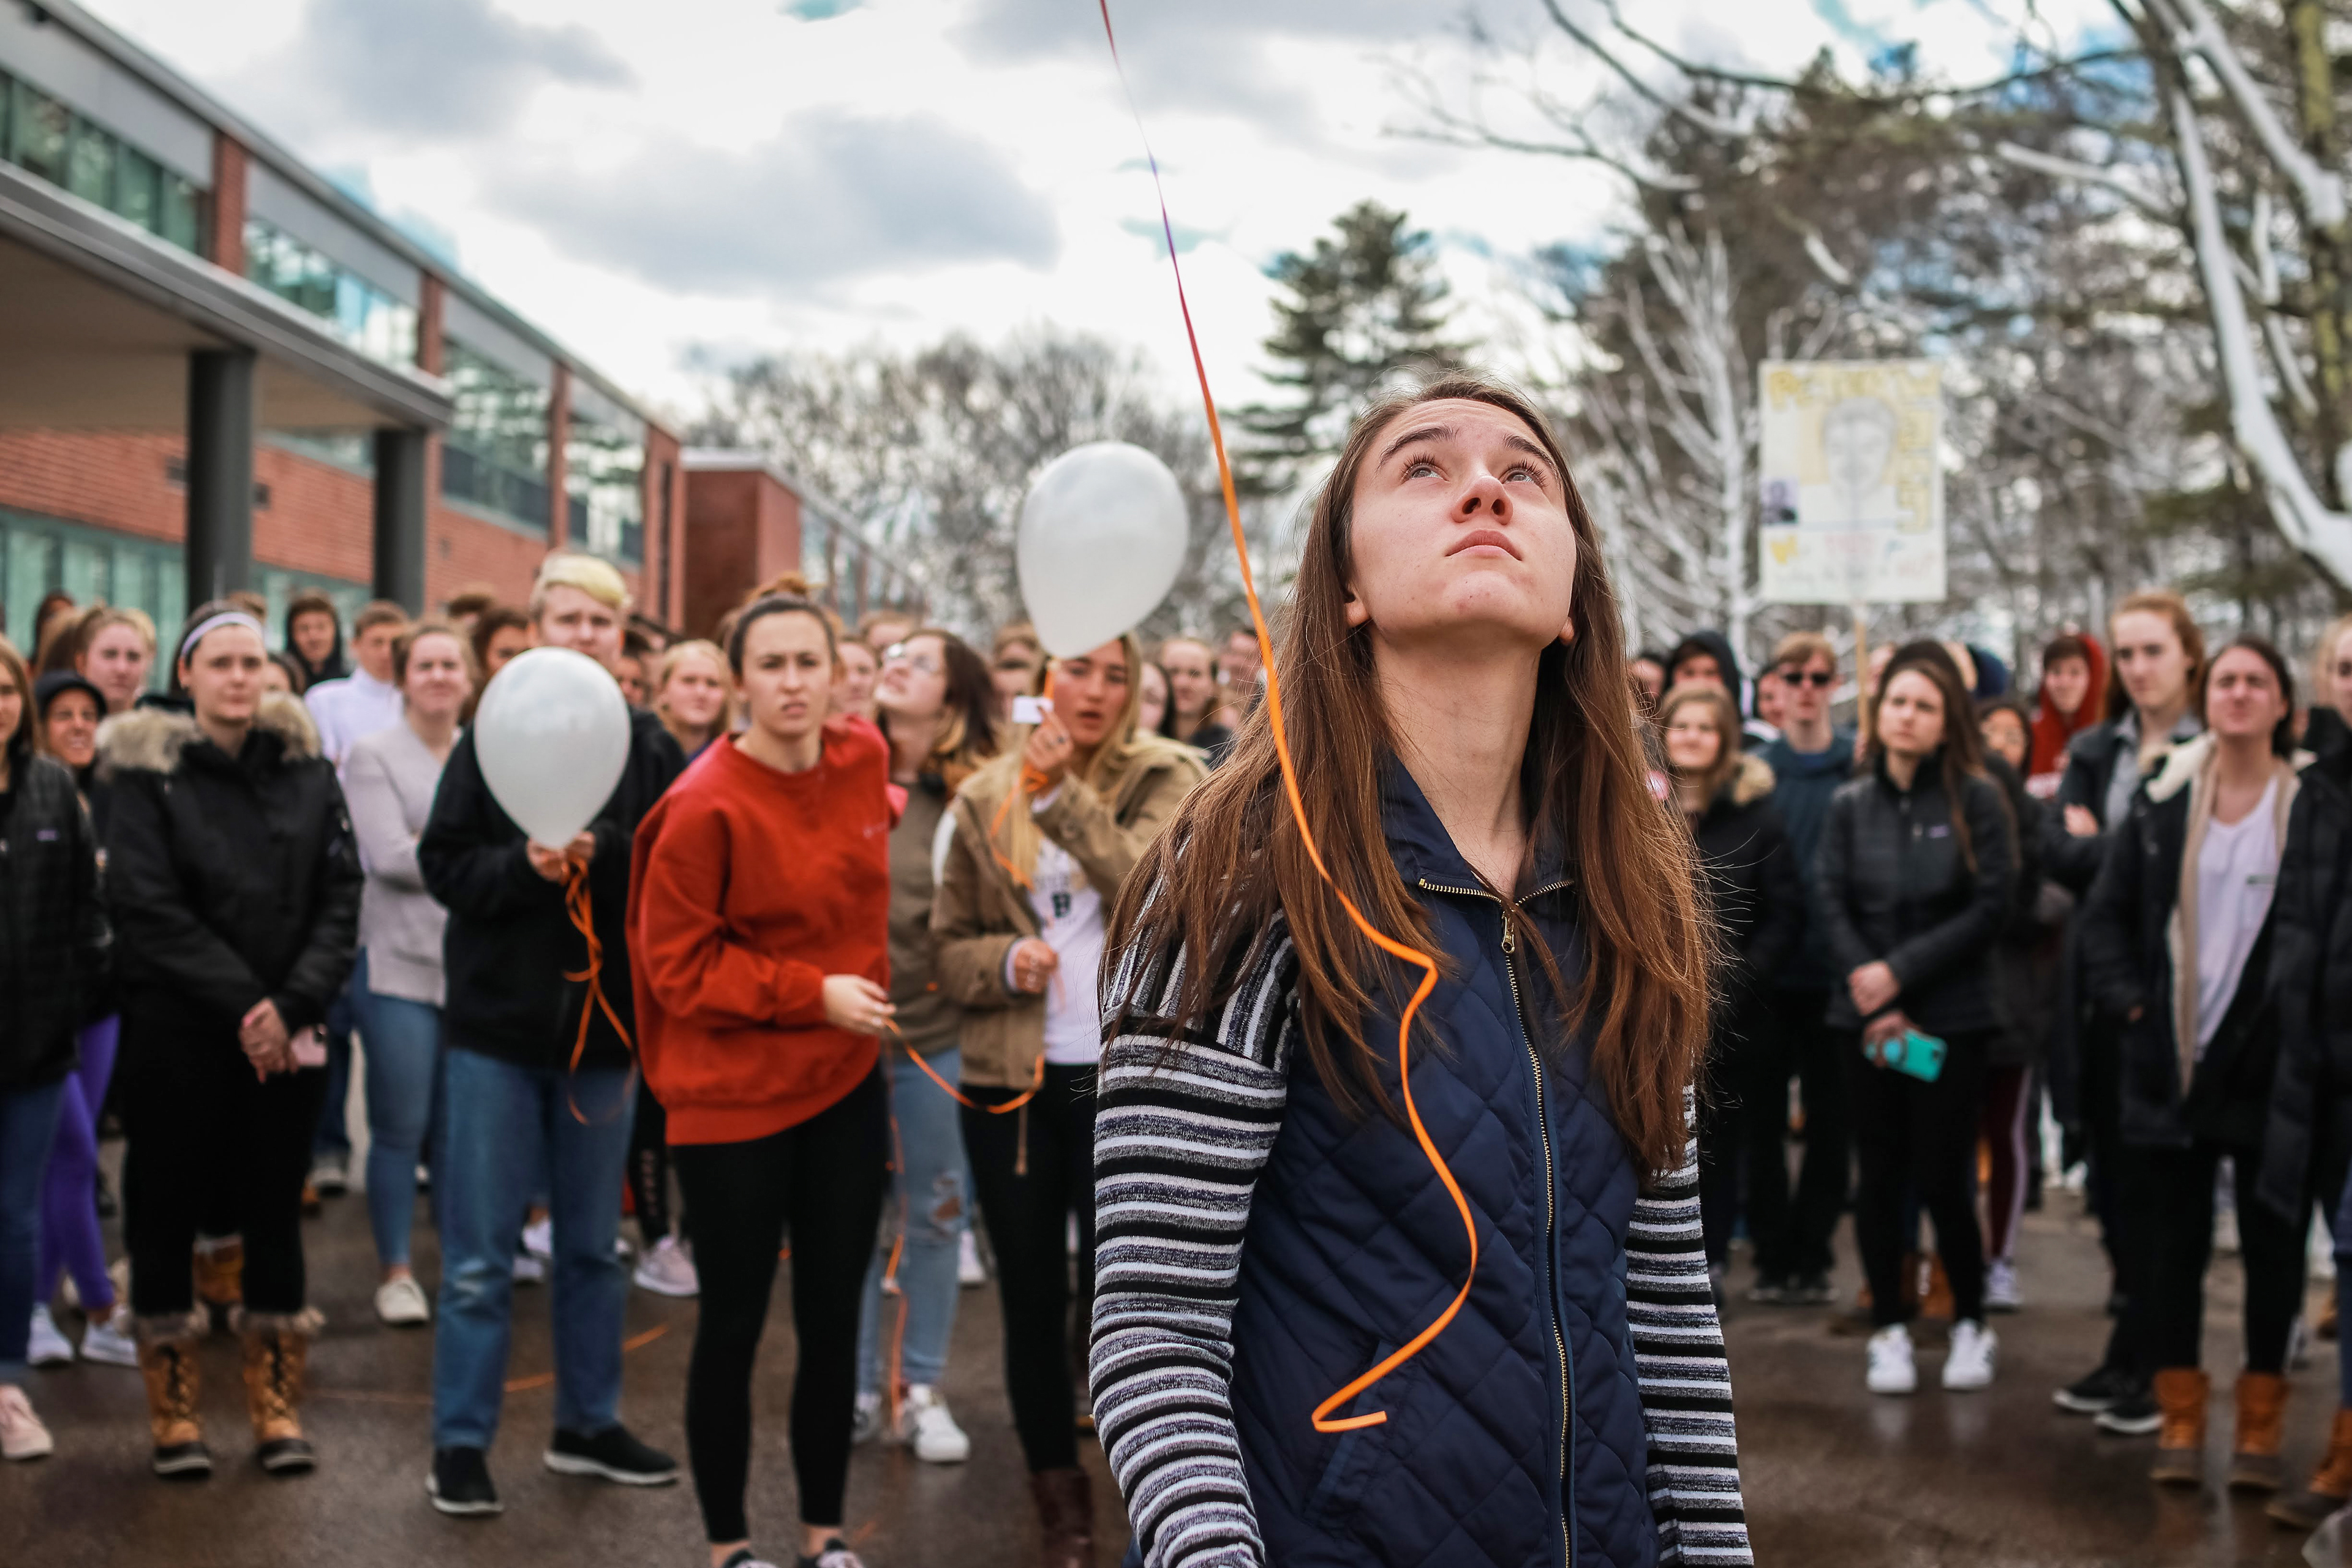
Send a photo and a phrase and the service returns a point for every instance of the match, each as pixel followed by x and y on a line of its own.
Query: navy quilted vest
pixel 1518 1432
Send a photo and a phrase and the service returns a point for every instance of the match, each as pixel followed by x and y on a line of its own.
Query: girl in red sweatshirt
pixel 760 922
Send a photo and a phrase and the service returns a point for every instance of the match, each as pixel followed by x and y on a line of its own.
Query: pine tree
pixel 1364 306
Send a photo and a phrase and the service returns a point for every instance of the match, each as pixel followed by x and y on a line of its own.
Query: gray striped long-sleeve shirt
pixel 1184 1125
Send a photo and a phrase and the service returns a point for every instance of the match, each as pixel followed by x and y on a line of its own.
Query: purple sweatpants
pixel 69 1233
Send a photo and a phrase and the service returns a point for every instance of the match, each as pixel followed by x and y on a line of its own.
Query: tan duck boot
pixel 277 1353
pixel 2180 1393
pixel 2256 1465
pixel 167 1361
pixel 2331 1484
pixel 219 1265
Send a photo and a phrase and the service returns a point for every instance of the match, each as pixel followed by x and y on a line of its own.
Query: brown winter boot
pixel 2331 1484
pixel 220 1276
pixel 167 1361
pixel 2180 1393
pixel 276 1349
pixel 1065 1507
pixel 2254 1462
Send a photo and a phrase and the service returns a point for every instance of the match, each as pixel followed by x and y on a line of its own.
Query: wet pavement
pixel 1833 1477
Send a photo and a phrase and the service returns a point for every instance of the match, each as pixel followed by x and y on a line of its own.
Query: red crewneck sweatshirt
pixel 749 886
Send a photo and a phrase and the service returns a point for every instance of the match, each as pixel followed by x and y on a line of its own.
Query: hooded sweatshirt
pixel 1716 646
pixel 2051 728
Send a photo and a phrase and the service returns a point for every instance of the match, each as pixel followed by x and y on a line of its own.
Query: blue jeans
pixel 29 1120
pixel 511 1132
pixel 931 1186
pixel 406 1108
pixel 334 1138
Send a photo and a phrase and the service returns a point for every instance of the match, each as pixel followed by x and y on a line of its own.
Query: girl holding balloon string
pixel 1044 836
pixel 1273 1220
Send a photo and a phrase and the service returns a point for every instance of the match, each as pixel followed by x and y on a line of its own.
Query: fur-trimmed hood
pixel 152 740
pixel 1751 782
pixel 2185 761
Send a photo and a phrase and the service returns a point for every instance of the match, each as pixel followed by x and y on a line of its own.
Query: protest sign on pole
pixel 1853 491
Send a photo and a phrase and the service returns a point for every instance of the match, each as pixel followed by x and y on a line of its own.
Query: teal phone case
pixel 1921 1056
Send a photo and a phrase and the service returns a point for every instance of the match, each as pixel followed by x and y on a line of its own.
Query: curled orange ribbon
pixel 577 904
pixel 1323 1419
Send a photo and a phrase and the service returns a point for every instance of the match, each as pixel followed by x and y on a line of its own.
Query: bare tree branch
pixel 2321 191
pixel 2059 168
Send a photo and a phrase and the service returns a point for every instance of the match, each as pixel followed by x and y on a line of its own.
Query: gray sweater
pixel 389 779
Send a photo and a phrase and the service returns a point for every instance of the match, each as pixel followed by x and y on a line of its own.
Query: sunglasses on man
pixel 1809 676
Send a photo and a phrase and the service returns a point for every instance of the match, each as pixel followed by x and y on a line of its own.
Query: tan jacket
pixel 980 912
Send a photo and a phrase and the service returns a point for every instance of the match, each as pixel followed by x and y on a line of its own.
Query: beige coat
pixel 980 912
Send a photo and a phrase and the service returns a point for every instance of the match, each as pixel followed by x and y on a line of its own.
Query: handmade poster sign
pixel 1853 493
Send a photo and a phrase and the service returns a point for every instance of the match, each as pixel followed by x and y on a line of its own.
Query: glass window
pixel 44 137
pixel 494 454
pixel 136 193
pixel 604 472
pixel 41 128
pixel 354 309
pixel 38 554
pixel 90 165
pixel 181 218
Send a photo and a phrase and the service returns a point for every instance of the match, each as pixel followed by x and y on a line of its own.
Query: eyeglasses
pixel 896 653
pixel 1820 677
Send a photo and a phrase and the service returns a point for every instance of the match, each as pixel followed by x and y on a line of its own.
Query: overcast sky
pixel 667 187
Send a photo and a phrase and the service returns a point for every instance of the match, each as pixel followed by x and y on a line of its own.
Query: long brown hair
pixel 967 733
pixel 1961 752
pixel 1233 854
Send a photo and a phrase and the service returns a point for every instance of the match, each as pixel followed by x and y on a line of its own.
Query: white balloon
pixel 552 735
pixel 1102 539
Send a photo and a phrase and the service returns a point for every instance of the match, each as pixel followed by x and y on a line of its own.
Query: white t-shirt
pixel 347 709
pixel 2237 872
pixel 1069 920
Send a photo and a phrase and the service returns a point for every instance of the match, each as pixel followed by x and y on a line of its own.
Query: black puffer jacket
pixel 2127 942
pixel 1752 888
pixel 509 943
pixel 1895 885
pixel 53 930
pixel 229 879
pixel 2308 1140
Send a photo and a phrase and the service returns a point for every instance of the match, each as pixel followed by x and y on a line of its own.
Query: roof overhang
pixel 97 317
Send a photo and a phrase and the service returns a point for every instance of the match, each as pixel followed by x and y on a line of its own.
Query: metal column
pixel 400 518
pixel 220 472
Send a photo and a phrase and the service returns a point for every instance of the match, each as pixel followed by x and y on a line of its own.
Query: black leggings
pixel 649 1165
pixel 1026 1202
pixel 827 1178
pixel 209 1146
pixel 2171 1194
pixel 1922 1136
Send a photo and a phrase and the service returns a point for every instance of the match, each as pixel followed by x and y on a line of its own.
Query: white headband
pixel 214 623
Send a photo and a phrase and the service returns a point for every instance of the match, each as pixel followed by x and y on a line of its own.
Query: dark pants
pixel 206 1143
pixel 1030 1170
pixel 1724 1117
pixel 2171 1191
pixel 1924 1135
pixel 1792 1232
pixel 649 1166
pixel 2110 1167
pixel 825 1178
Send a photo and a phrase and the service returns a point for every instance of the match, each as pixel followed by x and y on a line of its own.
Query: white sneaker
pixel 970 1270
pixel 1892 1370
pixel 529 1269
pixel 401 1304
pixel 2000 1291
pixel 539 1238
pixel 1969 1363
pixel 22 1436
pixel 107 1344
pixel 925 1426
pixel 47 1346
pixel 666 1270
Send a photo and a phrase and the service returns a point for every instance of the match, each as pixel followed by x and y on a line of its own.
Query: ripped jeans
pixel 931 1185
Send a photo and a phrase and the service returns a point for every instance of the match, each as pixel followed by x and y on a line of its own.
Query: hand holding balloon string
pixel 555 863
pixel 1047 754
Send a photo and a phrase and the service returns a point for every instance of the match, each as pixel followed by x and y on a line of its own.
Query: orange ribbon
pixel 1323 1419
pixel 928 1071
pixel 577 905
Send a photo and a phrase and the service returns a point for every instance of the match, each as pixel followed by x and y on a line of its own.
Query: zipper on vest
pixel 1551 1186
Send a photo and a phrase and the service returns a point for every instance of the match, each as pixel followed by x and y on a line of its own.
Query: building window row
pixel 604 478
pixel 356 311
pixel 44 136
pixel 494 455
pixel 38 556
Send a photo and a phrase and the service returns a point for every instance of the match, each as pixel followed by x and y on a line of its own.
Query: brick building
pixel 217 371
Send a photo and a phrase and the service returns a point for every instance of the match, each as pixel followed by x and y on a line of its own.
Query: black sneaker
pixel 741 1557
pixel 460 1483
pixel 1812 1289
pixel 1769 1289
pixel 836 1554
pixel 2101 1391
pixel 2134 1416
pixel 611 1455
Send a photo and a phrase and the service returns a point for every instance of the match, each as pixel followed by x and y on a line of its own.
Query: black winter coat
pixel 53 928
pixel 2127 965
pixel 2026 958
pixel 509 943
pixel 1752 886
pixel 1895 885
pixel 229 879
pixel 2307 1138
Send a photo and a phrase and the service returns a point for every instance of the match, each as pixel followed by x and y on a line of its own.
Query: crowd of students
pixel 864 946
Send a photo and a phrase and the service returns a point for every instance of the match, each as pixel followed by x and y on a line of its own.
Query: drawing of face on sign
pixel 1857 447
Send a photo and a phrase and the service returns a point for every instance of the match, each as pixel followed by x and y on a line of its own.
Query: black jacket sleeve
pixel 2067 859
pixel 1781 912
pixel 1951 942
pixel 150 908
pixel 471 853
pixel 323 966
pixel 2109 918
pixel 1833 868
